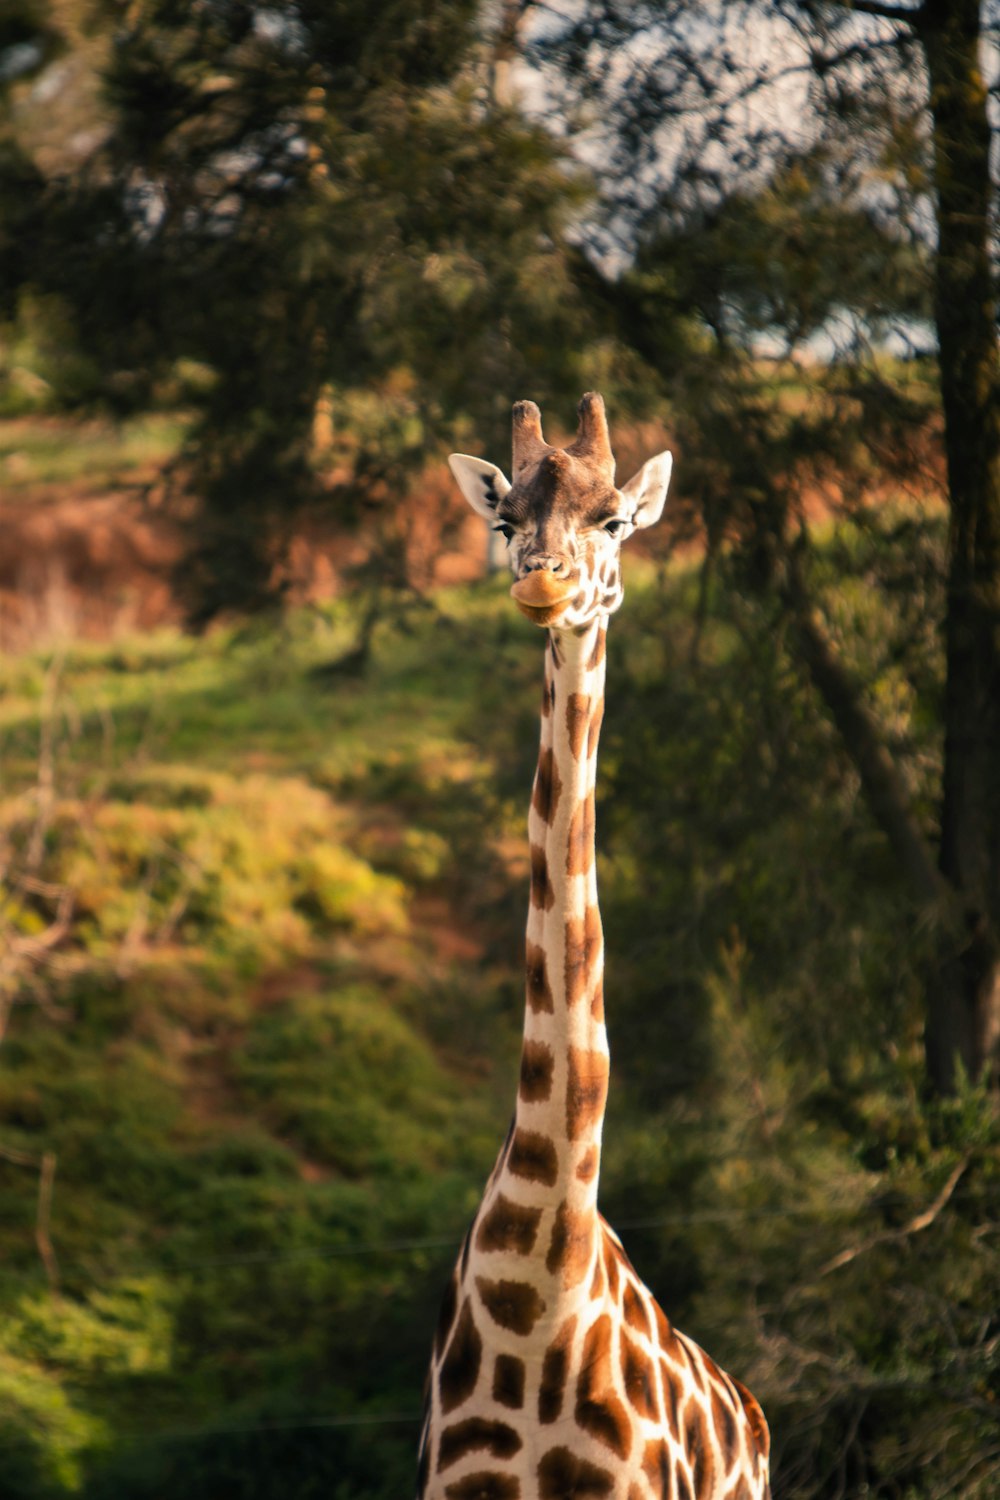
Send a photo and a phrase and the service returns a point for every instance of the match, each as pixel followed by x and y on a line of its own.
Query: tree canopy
pixel 291 204
pixel 832 181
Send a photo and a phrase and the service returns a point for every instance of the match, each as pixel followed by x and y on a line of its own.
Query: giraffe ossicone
pixel 555 1373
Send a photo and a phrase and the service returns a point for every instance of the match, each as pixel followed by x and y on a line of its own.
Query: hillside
pixel 95 521
pixel 271 1047
pixel 262 930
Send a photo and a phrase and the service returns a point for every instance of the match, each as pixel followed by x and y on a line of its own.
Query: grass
pixel 253 1065
pixel 89 456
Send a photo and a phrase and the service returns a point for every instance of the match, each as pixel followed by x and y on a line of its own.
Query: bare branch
pixel 46 1166
pixel 908 16
pixel 887 1236
pixel 43 1219
pixel 884 787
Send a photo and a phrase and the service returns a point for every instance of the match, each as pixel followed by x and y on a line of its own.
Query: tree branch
pixel 43 1220
pixel 888 12
pixel 884 788
pixel 919 1221
pixel 46 1165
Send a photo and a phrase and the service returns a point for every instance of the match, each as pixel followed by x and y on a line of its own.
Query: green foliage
pixel 269 1135
pixel 833 1245
pixel 286 1040
pixel 318 211
pixel 44 368
pixel 352 1081
pixel 769 259
pixel 93 455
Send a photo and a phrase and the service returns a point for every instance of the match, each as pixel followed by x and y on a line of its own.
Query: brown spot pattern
pixel 636 1314
pixel 533 1157
pixel 587 1170
pixel 580 842
pixel 508 1226
pixel 657 1467
pixel 537 1066
pixel 724 1424
pixel 485 1487
pixel 594 730
pixel 600 646
pixel 639 1377
pixel 664 1332
pixel 555 1369
pixel 571 1246
pixel 583 943
pixel 516 1305
pixel 598 1410
pixel 689 1356
pixel 446 1320
pixel 611 1265
pixel 460 1367
pixel 508 1381
pixel 671 1390
pixel 539 989
pixel 545 797
pixel 697 1447
pixel 577 715
pixel 474 1433
pixel 740 1490
pixel 563 1476
pixel 756 1418
pixel 586 1091
pixel 542 894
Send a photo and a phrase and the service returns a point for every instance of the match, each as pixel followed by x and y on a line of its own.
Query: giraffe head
pixel 563 517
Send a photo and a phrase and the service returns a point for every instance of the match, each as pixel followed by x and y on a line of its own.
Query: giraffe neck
pixel 555 1372
pixel 549 1169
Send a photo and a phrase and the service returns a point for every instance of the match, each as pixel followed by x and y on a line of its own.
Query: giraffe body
pixel 555 1374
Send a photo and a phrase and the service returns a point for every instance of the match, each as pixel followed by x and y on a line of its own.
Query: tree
pixel 835 178
pixel 301 208
pixel 27 42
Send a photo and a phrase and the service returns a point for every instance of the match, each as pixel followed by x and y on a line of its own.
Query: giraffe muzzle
pixel 542 595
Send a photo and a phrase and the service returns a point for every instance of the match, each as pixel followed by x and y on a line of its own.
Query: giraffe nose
pixel 541 588
pixel 547 563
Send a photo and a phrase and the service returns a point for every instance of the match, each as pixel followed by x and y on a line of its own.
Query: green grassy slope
pixel 274 1052
pixel 276 1076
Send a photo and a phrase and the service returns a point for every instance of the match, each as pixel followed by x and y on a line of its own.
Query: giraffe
pixel 554 1372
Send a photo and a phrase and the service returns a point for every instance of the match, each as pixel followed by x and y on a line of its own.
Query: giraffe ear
pixel 646 492
pixel 482 484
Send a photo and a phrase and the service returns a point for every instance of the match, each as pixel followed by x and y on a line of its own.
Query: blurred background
pixel 268 719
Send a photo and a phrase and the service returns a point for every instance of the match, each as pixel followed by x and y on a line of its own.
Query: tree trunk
pixel 884 788
pixel 963 1022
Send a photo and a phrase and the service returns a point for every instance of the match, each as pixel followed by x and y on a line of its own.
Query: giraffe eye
pixel 505 530
pixel 614 526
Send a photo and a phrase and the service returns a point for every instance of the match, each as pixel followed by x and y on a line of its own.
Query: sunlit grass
pixel 93 454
